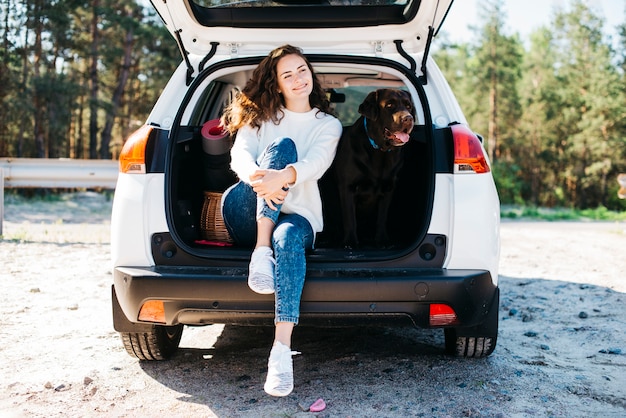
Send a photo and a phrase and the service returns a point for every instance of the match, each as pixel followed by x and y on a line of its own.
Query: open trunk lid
pixel 243 28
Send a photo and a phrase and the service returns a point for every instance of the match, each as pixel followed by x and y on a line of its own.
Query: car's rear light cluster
pixel 152 311
pixel 442 314
pixel 469 156
pixel 133 155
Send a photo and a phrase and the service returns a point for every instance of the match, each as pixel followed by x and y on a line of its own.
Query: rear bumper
pixel 201 296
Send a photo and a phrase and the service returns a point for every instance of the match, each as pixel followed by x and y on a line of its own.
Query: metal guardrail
pixel 69 174
pixel 55 173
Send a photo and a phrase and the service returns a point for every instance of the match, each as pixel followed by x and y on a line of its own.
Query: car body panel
pixel 444 107
pixel 471 226
pixel 165 109
pixel 138 212
pixel 181 19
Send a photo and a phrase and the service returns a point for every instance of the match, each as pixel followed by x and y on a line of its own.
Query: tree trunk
pixel 38 100
pixel 93 80
pixel 80 143
pixel 4 82
pixel 23 119
pixel 493 97
pixel 55 136
pixel 105 152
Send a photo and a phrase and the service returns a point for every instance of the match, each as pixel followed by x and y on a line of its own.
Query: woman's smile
pixel 295 82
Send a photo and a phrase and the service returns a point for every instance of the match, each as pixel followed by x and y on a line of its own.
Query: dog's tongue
pixel 401 136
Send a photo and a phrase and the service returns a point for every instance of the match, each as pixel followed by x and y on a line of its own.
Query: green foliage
pixel 49 92
pixel 613 201
pixel 561 214
pixel 553 113
pixel 508 182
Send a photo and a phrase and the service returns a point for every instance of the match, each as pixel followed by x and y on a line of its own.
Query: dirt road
pixel 561 350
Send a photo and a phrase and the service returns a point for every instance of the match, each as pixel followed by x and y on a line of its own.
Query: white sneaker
pixel 279 380
pixel 261 271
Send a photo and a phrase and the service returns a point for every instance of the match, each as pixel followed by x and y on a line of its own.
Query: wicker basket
pixel 212 225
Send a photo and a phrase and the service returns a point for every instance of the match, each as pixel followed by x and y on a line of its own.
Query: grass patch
pixel 34 195
pixel 561 214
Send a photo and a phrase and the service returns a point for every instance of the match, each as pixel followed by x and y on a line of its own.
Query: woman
pixel 286 140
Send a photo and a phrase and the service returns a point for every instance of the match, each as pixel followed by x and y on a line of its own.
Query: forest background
pixel 78 77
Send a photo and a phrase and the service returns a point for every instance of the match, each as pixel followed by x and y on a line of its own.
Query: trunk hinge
pixel 431 33
pixel 378 48
pixel 234 49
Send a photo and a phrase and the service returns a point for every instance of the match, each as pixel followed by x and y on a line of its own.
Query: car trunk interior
pixel 197 176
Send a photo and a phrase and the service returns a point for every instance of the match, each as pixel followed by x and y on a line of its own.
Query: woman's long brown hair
pixel 260 101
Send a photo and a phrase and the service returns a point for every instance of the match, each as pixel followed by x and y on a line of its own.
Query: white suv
pixel 173 268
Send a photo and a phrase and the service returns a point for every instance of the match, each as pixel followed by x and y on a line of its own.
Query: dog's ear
pixel 369 107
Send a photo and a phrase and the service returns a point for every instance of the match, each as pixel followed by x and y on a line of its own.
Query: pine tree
pixel 590 100
pixel 492 74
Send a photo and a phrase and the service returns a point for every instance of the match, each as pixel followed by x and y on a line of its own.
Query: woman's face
pixel 295 80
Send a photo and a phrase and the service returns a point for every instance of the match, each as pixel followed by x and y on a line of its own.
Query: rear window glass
pixel 289 13
pixel 345 102
pixel 287 3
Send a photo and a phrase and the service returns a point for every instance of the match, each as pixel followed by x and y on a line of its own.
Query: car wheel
pixel 157 344
pixel 476 342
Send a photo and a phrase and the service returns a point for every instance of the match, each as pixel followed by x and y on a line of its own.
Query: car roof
pixel 255 27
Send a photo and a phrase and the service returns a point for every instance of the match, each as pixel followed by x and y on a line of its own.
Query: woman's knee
pixel 295 234
pixel 238 211
pixel 287 148
pixel 285 144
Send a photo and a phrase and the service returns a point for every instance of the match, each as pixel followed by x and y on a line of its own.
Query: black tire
pixel 475 342
pixel 157 344
pixel 462 346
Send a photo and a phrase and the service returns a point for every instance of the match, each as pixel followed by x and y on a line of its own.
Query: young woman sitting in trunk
pixel 286 140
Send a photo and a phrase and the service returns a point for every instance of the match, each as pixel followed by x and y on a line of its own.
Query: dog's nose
pixel 407 119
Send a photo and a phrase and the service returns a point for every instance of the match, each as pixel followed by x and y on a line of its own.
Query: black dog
pixel 366 166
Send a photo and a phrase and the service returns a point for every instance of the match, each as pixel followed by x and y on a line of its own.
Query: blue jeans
pixel 291 238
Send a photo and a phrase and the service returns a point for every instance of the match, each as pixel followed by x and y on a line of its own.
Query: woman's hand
pixel 271 186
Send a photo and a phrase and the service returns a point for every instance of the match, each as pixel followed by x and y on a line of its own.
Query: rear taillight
pixel 152 311
pixel 468 151
pixel 133 155
pixel 442 314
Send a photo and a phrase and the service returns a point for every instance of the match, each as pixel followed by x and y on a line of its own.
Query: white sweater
pixel 315 134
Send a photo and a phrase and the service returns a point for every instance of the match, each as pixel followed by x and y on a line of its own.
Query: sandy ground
pixel 561 348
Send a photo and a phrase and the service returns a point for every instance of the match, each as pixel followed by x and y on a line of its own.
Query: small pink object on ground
pixel 318 406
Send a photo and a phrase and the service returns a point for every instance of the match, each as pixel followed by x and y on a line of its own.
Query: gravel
pixel 560 353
